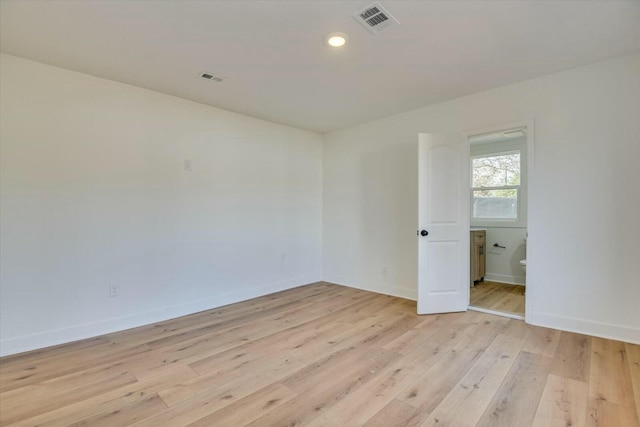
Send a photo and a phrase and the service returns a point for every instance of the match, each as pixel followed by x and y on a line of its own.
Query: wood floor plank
pixel 232 373
pixel 126 414
pixel 476 389
pixel 274 355
pixel 322 385
pixel 35 366
pixel 430 388
pixel 602 413
pixel 327 355
pixel 217 341
pixel 499 297
pixel 434 321
pixel 516 401
pixel 172 331
pixel 58 366
pixel 396 414
pixel 32 400
pixel 611 400
pixel 410 340
pixel 563 403
pixel 301 341
pixel 24 360
pixel 610 378
pixel 486 294
pixel 245 410
pixel 510 300
pixel 543 341
pixel 520 308
pixel 362 404
pixel 378 329
pixel 517 329
pixel 202 348
pixel 119 400
pixel 212 398
pixel 633 357
pixel 573 357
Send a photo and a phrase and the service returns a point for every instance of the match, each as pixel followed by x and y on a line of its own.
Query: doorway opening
pixel 499 172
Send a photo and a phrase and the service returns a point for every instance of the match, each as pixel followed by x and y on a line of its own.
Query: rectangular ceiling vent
pixel 211 77
pixel 376 18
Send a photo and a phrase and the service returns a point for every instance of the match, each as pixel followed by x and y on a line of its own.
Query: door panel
pixel 443 254
pixel 442 267
pixel 443 162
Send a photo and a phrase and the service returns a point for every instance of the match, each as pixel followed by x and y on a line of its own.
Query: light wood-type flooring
pixel 499 297
pixel 326 355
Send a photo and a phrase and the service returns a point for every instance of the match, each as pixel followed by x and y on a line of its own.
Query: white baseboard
pixel 395 291
pixel 89 330
pixel 586 327
pixel 504 278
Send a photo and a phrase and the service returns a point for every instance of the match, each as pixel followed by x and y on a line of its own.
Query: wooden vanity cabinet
pixel 478 250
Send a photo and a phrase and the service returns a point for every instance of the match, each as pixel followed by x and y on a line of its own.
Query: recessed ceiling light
pixel 336 39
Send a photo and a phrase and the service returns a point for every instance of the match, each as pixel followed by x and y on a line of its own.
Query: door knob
pixel 424 233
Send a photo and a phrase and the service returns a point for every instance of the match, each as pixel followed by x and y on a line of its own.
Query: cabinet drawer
pixel 478 236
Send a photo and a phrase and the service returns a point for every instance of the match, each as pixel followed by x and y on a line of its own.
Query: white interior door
pixel 443 220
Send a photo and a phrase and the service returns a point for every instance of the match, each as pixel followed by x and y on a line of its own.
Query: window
pixel 495 186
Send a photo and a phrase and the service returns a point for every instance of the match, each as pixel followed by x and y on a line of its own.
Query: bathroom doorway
pixel 500 176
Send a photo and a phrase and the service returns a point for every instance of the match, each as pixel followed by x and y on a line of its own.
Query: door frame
pixel 531 223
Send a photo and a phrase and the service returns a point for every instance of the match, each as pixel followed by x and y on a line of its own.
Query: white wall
pixel 584 226
pixel 93 193
pixel 503 265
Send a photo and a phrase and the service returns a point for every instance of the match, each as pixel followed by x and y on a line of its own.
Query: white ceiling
pixel 279 69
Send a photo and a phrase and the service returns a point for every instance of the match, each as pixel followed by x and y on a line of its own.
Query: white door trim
pixel 531 303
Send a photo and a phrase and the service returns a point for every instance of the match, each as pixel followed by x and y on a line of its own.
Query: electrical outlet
pixel 187 164
pixel 114 290
pixel 385 270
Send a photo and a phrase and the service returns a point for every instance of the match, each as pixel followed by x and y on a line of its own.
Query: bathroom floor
pixel 499 297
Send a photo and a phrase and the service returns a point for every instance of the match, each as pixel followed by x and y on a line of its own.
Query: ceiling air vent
pixel 211 77
pixel 376 18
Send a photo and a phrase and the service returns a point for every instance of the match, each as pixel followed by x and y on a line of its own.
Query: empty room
pixel 319 213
